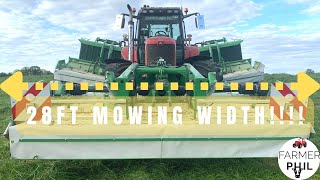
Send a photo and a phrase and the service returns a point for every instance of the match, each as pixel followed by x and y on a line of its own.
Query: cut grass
pixel 250 168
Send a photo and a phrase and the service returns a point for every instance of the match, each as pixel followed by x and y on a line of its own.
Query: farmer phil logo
pixel 205 114
pixel 299 158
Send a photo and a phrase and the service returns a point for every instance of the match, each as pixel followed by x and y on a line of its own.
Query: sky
pixel 283 34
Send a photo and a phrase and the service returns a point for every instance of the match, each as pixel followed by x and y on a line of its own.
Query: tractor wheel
pixel 117 68
pixel 206 66
pixel 299 146
pixel 305 144
pixel 294 145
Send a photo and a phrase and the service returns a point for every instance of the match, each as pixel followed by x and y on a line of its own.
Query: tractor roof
pixel 146 10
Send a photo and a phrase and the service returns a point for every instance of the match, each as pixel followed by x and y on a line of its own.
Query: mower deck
pixel 145 147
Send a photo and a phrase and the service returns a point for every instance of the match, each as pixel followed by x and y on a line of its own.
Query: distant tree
pixel 310 71
pixel 2 74
pixel 34 70
pixel 25 71
pixel 46 72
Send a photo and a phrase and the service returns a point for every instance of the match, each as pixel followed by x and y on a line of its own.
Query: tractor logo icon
pixel 299 143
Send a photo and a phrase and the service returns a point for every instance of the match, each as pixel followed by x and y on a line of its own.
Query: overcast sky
pixel 283 34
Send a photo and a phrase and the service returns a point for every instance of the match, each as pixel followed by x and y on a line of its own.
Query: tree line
pixel 29 71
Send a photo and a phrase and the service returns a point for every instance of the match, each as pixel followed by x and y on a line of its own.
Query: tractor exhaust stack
pixel 130 34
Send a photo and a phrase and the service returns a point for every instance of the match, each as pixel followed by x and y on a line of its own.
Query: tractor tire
pixel 294 145
pixel 117 68
pixel 300 146
pixel 305 144
pixel 206 66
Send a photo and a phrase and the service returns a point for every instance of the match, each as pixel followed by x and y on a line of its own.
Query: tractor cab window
pixel 160 26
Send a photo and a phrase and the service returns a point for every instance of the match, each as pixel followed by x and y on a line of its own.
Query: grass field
pixel 254 168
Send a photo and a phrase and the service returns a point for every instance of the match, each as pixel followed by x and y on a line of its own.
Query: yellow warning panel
pixel 264 86
pixel 219 86
pixel 99 86
pixel 84 86
pixel 159 86
pixel 234 86
pixel 144 86
pixel 204 86
pixel 54 86
pixel 69 86
pixel 113 86
pixel 249 86
pixel 129 86
pixel 189 86
pixel 39 86
pixel 279 86
pixel 174 86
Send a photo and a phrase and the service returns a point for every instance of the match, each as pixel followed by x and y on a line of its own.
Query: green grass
pixel 252 168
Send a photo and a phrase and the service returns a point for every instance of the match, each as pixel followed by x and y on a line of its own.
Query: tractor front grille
pixel 155 52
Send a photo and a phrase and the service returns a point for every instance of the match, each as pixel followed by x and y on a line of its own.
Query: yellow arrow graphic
pixel 14 86
pixel 305 86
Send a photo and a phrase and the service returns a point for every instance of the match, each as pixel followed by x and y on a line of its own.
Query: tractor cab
pixel 160 34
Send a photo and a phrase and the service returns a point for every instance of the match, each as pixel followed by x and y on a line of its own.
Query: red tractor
pixel 299 143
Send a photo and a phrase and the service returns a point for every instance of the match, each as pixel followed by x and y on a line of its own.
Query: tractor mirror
pixel 125 37
pixel 200 22
pixel 120 20
pixel 189 38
